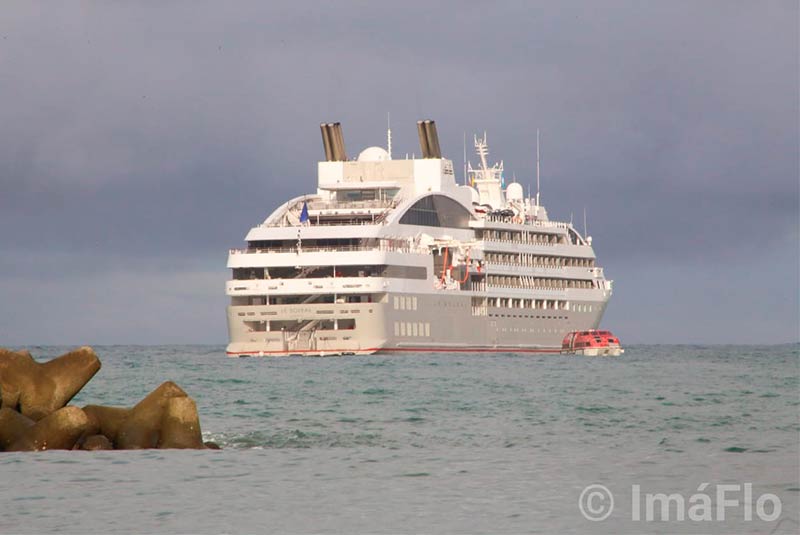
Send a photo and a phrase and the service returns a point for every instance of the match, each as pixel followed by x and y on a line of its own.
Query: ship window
pixel 356 195
pixel 423 212
pixel 402 329
pixel 436 211
pixel 404 272
pixel 396 329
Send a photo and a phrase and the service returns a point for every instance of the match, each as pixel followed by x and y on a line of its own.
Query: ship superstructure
pixel 395 255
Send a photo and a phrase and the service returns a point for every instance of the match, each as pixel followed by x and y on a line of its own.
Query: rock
pixel 12 426
pixel 11 365
pixel 180 425
pixel 34 415
pixel 212 445
pixel 57 431
pixel 71 372
pixel 96 443
pixel 142 428
pixel 39 389
pixel 107 419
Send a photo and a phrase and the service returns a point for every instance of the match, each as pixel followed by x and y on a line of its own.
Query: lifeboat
pixel 591 343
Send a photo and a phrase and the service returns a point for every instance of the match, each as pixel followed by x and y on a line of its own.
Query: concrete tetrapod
pixel 96 443
pixel 33 415
pixel 39 389
pixel 108 420
pixel 57 431
pixel 142 428
pixel 180 425
pixel 12 426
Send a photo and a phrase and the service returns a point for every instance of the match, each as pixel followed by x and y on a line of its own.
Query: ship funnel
pixel 433 139
pixel 423 139
pixel 337 142
pixel 326 142
pixel 428 139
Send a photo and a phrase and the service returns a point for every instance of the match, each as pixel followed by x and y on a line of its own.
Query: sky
pixel 140 141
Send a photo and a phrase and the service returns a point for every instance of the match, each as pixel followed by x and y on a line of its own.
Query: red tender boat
pixel 592 343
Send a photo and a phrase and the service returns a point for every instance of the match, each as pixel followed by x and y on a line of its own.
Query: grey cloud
pixel 162 131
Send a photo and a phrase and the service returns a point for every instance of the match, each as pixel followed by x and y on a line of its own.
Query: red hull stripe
pixel 408 349
pixel 472 349
pixel 373 349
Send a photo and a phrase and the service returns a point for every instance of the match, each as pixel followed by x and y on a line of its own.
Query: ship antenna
pixel 483 150
pixel 537 167
pixel 585 229
pixel 389 134
pixel 466 182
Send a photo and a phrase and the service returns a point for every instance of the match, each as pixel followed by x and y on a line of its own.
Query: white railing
pixel 377 208
pixel 509 220
pixel 516 242
pixel 547 224
pixel 353 205
pixel 523 268
pixel 335 249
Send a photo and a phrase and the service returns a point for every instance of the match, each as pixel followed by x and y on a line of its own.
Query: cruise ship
pixel 395 255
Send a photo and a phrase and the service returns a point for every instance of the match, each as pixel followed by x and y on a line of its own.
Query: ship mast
pixel 487 180
pixel 466 180
pixel 482 148
pixel 537 167
pixel 389 134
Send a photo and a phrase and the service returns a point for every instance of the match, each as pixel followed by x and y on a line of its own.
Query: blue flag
pixel 304 213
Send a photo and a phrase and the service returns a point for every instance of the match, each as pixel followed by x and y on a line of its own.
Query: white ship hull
pixel 439 323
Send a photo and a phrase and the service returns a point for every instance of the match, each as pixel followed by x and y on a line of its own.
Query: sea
pixel 436 443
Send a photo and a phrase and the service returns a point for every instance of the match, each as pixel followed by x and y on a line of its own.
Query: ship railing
pixel 291 217
pixel 313 223
pixel 523 267
pixel 342 205
pixel 364 220
pixel 496 286
pixel 344 222
pixel 529 222
pixel 517 242
pixel 547 224
pixel 334 249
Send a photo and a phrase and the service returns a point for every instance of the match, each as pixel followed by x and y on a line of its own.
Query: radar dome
pixel 514 192
pixel 373 154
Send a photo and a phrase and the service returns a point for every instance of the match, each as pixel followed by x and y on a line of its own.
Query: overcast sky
pixel 140 141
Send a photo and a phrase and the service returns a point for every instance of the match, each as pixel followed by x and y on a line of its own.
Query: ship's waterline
pixel 394 255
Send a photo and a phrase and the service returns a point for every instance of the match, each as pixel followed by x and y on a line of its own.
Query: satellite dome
pixel 514 192
pixel 373 154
